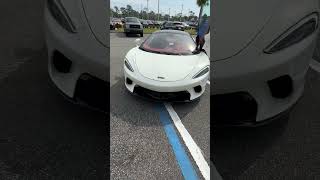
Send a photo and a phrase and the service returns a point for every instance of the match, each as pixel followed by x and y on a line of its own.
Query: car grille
pixel 135 26
pixel 93 92
pixel 233 109
pixel 163 96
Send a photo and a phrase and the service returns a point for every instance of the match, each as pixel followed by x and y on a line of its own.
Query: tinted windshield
pixel 169 43
pixel 134 20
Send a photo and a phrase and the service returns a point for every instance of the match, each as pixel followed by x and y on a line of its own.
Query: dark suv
pixel 132 25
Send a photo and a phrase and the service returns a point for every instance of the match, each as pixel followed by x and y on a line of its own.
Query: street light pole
pixel 141 11
pixel 158 10
pixel 181 11
pixel 148 9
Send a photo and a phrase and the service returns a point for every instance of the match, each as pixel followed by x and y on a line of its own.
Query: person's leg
pixel 197 42
pixel 202 43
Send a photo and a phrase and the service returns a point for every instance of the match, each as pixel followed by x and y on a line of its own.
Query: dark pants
pixel 200 42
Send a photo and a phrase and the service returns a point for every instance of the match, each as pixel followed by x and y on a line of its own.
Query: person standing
pixel 204 28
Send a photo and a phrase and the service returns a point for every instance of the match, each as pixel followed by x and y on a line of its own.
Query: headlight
pixel 201 73
pixel 127 26
pixel 295 34
pixel 128 65
pixel 60 15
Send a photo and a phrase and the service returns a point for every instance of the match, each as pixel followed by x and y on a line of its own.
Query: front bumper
pixel 251 72
pixel 87 58
pixel 165 88
pixel 133 30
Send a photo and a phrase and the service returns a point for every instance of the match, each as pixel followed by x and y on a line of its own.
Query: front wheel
pixel 141 35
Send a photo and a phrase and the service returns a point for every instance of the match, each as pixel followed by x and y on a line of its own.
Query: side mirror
pixel 138 42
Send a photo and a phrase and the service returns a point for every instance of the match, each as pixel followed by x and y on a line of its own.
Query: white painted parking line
pixel 315 65
pixel 193 148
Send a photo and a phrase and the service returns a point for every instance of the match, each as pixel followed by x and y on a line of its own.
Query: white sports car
pixel 78 50
pixel 261 53
pixel 167 67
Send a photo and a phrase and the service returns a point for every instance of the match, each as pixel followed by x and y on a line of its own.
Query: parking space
pixel 288 148
pixel 140 145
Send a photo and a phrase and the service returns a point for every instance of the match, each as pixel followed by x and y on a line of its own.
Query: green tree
pixel 201 3
pixel 112 13
pixel 129 10
pixel 123 11
pixel 117 11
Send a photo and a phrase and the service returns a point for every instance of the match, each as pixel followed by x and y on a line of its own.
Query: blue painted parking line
pixel 182 158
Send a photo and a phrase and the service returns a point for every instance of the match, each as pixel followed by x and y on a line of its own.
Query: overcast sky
pixel 174 5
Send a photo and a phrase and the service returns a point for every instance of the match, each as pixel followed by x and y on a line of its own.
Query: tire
pixel 141 34
pixel 126 34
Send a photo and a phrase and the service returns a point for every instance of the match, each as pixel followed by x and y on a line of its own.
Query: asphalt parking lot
pixel 140 148
pixel 285 149
pixel 42 136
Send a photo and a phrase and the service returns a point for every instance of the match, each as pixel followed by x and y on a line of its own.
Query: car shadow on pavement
pixel 185 108
pixel 133 109
pixel 235 149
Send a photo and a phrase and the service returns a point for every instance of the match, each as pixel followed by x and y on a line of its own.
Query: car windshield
pixel 177 23
pixel 170 43
pixel 133 20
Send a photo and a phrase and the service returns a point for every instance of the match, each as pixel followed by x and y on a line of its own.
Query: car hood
pixel 236 26
pixel 95 11
pixel 169 67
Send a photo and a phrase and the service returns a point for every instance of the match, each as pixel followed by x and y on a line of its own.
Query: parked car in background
pixel 112 27
pixel 117 23
pixel 156 24
pixel 192 24
pixel 133 26
pixel 161 23
pixel 186 26
pixel 144 23
pixel 173 25
pixel 150 24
